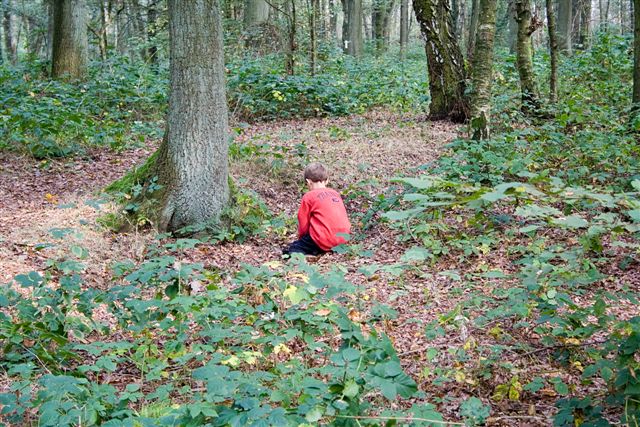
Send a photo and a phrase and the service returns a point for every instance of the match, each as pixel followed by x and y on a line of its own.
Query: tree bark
pixel 352 27
pixel 513 26
pixel 290 57
pixel 444 61
pixel 585 24
pixel 482 70
pixel 256 14
pixel 524 54
pixel 473 26
pixel 7 23
pixel 192 164
pixel 404 28
pixel 152 51
pixel 565 19
pixel 313 51
pixel 553 52
pixel 70 44
pixel 636 52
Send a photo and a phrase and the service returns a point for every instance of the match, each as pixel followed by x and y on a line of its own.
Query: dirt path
pixel 62 194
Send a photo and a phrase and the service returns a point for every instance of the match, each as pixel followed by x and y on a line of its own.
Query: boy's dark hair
pixel 316 172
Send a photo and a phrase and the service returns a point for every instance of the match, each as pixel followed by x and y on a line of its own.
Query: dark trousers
pixel 304 245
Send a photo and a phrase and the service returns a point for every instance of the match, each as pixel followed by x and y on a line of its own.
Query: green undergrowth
pixel 122 104
pixel 266 345
pixel 548 213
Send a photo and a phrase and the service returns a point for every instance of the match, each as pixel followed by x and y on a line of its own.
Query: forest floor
pixel 363 153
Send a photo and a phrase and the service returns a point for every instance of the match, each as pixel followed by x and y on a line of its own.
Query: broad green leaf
pixel 571 221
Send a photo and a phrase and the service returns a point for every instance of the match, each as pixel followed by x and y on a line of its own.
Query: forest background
pixel 151 154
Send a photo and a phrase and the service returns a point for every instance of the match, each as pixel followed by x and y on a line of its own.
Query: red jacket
pixel 322 214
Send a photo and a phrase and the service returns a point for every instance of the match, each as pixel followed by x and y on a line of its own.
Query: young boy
pixel 322 217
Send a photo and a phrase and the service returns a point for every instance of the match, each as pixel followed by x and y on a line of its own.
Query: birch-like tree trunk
pixel 524 54
pixel 192 163
pixel 444 61
pixel 636 52
pixel 553 52
pixel 564 21
pixel 70 44
pixel 482 70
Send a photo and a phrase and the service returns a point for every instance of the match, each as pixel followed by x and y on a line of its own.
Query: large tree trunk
pixel 192 164
pixel 482 70
pixel 7 23
pixel 585 24
pixel 473 27
pixel 565 19
pixel 444 60
pixel 404 28
pixel 528 87
pixel 636 52
pixel 70 44
pixel 352 27
pixel 256 14
pixel 553 52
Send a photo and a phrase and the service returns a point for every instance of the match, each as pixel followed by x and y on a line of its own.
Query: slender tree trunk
pixel 333 19
pixel 512 24
pixel 482 70
pixel 565 19
pixel 290 61
pixel 1 47
pixel 444 61
pixel 70 44
pixel 152 51
pixel 192 163
pixel 404 28
pixel 352 27
pixel 102 35
pixel 313 51
pixel 7 23
pixel 636 52
pixel 473 26
pixel 528 87
pixel 553 52
pixel 585 24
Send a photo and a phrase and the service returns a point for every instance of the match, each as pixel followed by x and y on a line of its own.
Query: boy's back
pixel 323 216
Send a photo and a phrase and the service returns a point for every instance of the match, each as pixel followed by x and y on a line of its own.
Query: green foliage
pixel 55 119
pixel 561 198
pixel 259 88
pixel 276 345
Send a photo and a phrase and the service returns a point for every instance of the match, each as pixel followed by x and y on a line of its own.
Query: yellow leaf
pixel 281 348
